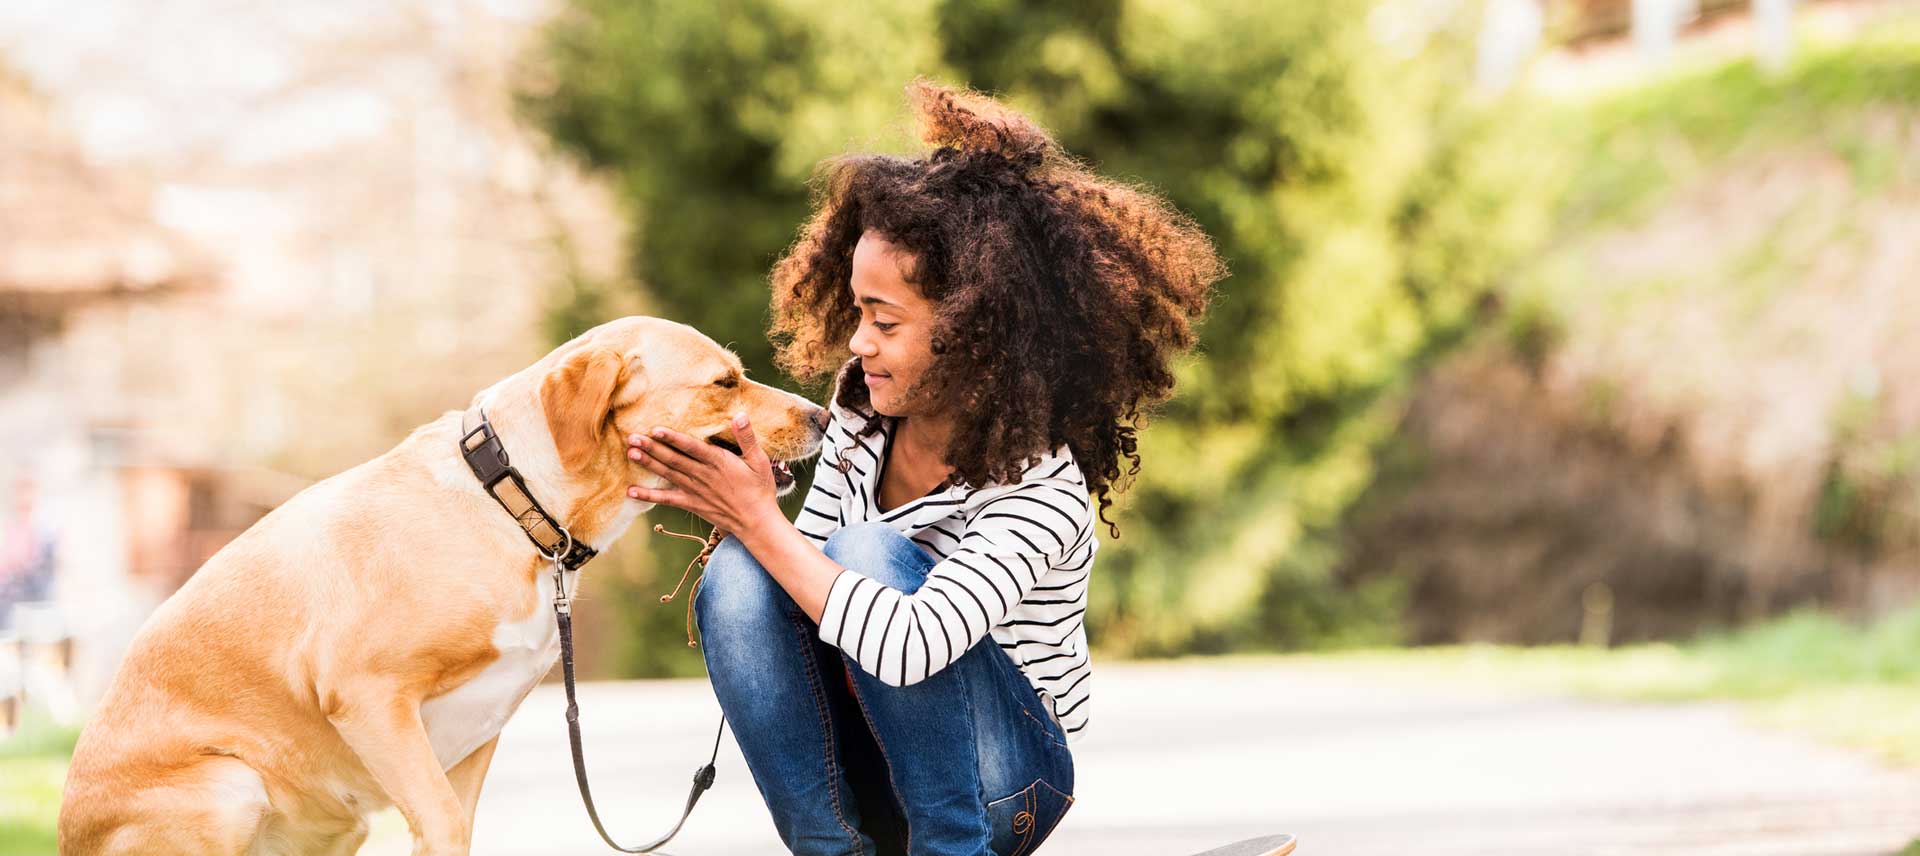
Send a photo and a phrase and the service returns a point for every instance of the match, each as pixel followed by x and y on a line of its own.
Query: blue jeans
pixel 965 762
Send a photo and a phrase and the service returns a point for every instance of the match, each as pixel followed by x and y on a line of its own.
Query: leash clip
pixel 562 599
pixel 562 595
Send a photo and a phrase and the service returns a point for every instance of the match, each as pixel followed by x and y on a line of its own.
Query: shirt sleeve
pixel 1010 541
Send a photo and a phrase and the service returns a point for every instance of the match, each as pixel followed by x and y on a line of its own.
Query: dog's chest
pixel 466 717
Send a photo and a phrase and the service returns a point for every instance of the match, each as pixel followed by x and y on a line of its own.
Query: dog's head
pixel 630 375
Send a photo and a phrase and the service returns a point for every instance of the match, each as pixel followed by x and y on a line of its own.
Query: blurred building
pixel 80 252
pixel 242 249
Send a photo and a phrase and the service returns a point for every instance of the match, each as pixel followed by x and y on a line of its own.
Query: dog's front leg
pixel 467 776
pixel 383 728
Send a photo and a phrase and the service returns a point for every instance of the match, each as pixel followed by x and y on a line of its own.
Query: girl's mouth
pixel 873 379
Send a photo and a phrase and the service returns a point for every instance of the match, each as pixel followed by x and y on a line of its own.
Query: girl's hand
pixel 733 492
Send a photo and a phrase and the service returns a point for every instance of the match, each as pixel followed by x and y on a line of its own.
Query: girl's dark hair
pixel 1060 297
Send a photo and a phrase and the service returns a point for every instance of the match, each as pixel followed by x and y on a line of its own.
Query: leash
pixel 702 778
pixel 487 457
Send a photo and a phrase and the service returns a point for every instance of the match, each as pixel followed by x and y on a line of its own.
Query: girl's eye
pixel 883 326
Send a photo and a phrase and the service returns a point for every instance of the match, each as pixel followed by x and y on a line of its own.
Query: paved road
pixel 1185 756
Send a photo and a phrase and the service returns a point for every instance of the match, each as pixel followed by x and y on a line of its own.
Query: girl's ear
pixel 578 399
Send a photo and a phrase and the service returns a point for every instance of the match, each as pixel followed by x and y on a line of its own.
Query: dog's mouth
pixel 782 475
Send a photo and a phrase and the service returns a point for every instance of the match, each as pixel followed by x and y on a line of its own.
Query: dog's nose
pixel 820 418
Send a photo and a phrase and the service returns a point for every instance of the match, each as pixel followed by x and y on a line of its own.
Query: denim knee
pixel 734 585
pixel 879 551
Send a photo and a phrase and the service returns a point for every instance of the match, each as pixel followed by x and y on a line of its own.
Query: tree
pixel 1363 211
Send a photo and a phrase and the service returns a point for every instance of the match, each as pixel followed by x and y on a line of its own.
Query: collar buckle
pixel 486 456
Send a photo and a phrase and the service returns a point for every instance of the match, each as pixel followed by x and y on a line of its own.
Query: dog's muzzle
pixel 783 480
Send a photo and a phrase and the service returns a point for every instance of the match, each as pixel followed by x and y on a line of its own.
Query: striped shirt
pixel 1012 559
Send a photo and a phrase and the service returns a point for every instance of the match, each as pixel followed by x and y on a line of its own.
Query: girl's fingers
pixel 750 450
pixel 666 456
pixel 661 496
pixel 696 450
pixel 674 478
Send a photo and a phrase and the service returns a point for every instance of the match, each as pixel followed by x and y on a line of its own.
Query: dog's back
pixel 204 711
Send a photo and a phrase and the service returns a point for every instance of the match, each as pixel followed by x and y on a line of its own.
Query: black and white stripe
pixel 1014 560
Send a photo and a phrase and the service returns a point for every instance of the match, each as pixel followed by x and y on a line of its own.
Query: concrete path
pixel 1185 756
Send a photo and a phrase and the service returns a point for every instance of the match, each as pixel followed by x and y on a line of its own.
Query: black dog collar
pixel 487 458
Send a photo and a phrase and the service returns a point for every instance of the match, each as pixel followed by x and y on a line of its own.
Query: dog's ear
pixel 578 397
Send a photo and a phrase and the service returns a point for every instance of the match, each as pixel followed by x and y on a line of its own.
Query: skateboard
pixel 1265 845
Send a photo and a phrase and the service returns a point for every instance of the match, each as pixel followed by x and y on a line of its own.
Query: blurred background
pixel 1567 342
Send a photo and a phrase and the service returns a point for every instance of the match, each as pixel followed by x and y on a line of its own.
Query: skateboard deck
pixel 1265 845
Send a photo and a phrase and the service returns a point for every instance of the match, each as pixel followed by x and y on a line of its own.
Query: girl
pixel 906 663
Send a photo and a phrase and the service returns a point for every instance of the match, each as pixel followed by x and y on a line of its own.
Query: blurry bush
pixel 1364 208
pixel 708 119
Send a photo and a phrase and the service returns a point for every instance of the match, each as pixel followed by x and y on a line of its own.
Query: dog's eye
pixel 728 382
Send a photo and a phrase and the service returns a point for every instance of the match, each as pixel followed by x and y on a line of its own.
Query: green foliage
pixel 710 118
pixel 1626 150
pixel 1364 210
pixel 1363 206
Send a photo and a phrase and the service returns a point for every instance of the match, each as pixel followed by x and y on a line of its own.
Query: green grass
pixel 33 766
pixel 39 737
pixel 29 803
pixel 1857 685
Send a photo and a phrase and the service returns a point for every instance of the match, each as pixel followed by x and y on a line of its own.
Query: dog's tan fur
pixel 276 700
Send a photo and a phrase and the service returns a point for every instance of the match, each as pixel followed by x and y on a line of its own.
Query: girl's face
pixel 894 339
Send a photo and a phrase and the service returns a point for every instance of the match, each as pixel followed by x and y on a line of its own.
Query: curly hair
pixel 1060 297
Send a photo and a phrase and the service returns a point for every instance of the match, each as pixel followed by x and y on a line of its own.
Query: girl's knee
pixel 879 551
pixel 735 584
pixel 730 552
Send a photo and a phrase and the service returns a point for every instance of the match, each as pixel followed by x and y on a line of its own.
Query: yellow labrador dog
pixel 362 645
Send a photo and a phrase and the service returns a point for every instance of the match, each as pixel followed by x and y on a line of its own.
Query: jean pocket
pixel 1020 821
